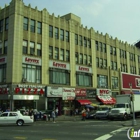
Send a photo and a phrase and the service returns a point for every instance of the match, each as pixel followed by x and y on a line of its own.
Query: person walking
pixel 83 114
pixel 53 116
pixel 56 111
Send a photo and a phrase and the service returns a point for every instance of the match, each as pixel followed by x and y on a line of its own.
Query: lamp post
pixel 132 100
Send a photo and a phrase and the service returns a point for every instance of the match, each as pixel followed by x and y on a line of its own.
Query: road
pixel 67 130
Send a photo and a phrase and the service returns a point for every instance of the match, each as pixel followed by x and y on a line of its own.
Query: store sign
pixel 68 94
pixel 3 60
pixel 59 65
pixel 31 60
pixel 80 92
pixel 91 93
pixel 54 91
pixel 29 89
pixel 84 69
pixel 102 92
pixel 4 89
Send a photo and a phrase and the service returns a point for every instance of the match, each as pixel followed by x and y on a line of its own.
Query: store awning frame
pixel 107 99
pixel 84 101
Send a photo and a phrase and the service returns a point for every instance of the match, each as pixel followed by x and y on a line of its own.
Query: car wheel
pixel 19 122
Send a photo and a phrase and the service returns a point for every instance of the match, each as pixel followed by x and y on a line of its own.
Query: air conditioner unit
pixel 24 80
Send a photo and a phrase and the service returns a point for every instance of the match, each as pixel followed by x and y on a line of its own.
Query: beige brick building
pixel 39 50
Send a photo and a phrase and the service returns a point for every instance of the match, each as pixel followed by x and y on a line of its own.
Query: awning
pixel 107 99
pixel 84 102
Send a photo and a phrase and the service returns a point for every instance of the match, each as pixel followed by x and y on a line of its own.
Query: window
pixel 57 76
pixel 104 48
pixel 31 73
pixel 97 47
pixel 97 62
pixel 32 25
pixel 51 52
pixel 25 47
pixel 80 40
pixel 56 33
pixel 115 65
pixel 114 82
pixel 102 81
pixel 89 43
pixel 105 63
pixel 101 62
pixel 85 42
pixel 39 49
pixel 5 46
pixel 76 39
pixel 25 24
pixel 89 59
pixel 2 72
pixel 83 79
pixel 56 55
pixel 62 34
pixel 67 36
pixel 114 50
pixel 50 31
pixel 76 58
pixel 13 114
pixel 67 55
pixel 85 59
pixel 1 47
pixel 1 25
pixel 32 48
pixel 62 54
pixel 111 65
pixel 39 27
pixel 100 46
pixel 111 50
pixel 6 24
pixel 4 115
pixel 81 58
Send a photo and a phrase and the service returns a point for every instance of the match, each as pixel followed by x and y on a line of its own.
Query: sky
pixel 118 18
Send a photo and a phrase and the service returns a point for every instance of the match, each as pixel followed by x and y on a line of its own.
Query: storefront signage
pixel 80 92
pixel 68 94
pixel 59 65
pixel 31 60
pixel 54 91
pixel 26 97
pixel 4 89
pixel 29 89
pixel 104 92
pixel 84 69
pixel 3 60
pixel 91 93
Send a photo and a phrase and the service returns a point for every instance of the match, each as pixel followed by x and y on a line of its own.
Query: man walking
pixel 53 116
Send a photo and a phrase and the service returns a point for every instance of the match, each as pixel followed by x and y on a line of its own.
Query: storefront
pixel 61 98
pixel 4 97
pixel 27 96
pixel 105 97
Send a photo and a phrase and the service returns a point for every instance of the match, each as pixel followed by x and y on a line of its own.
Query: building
pixel 48 61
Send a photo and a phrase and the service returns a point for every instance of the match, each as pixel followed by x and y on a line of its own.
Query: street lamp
pixel 132 100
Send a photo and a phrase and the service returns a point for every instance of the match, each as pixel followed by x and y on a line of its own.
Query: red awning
pixel 107 99
pixel 84 102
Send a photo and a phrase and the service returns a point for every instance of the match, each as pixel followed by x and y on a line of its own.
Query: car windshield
pixel 103 108
pixel 119 106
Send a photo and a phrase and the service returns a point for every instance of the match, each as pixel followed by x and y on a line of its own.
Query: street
pixel 67 130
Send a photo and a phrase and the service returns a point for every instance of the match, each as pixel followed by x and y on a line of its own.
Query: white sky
pixel 118 18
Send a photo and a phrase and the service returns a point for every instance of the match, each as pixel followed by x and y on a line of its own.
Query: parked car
pixel 45 113
pixel 103 112
pixel 15 118
pixel 91 114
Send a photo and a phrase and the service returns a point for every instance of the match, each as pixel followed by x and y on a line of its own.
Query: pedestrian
pixel 56 111
pixel 83 114
pixel 31 113
pixel 53 116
